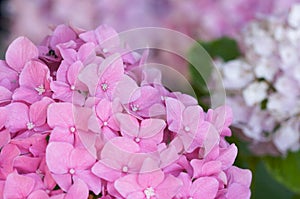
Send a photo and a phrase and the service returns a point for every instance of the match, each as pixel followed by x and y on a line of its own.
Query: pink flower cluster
pixel 80 116
pixel 197 18
pixel 263 85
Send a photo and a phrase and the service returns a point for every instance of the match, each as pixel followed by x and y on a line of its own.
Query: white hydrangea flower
pixel 289 56
pixel 255 93
pixel 268 92
pixel 287 136
pixel 237 74
pixel 265 69
pixel 294 16
pixel 286 84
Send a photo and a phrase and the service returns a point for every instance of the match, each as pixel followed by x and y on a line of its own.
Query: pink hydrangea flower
pixel 74 163
pixel 84 119
pixel 34 83
pixel 148 185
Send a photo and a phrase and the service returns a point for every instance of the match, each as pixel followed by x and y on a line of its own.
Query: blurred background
pixel 216 24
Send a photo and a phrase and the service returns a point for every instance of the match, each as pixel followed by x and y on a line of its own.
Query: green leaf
pixel 265 186
pixel 285 170
pixel 224 47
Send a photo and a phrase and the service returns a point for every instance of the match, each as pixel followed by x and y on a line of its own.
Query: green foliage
pixel 286 170
pixel 224 48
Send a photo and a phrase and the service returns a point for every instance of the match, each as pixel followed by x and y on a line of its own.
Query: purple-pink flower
pixel 80 117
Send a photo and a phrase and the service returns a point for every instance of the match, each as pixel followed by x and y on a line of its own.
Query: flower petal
pixel 20 51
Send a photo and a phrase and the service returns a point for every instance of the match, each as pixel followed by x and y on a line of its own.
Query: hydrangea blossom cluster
pixel 263 86
pixel 81 117
pixel 202 19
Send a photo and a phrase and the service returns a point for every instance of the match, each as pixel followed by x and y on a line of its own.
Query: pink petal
pixel 202 168
pixel 73 72
pixel 34 74
pixel 88 36
pixel 61 74
pixel 28 95
pixel 89 76
pixel 127 185
pixel 125 89
pixel 149 96
pixel 60 134
pixel 241 176
pixel 128 125
pixel 38 195
pixel 151 178
pixel 81 159
pixel 64 181
pixel 5 94
pixel 236 190
pixel 111 72
pixel 18 117
pixel 9 74
pixel 212 137
pixel 93 182
pixel 17 186
pixel 62 91
pixel 104 109
pixel 62 34
pixel 193 117
pixel 107 37
pixel 25 164
pixel 111 69
pixel 105 172
pixel 78 190
pixel 68 55
pixel 38 111
pixel 186 185
pixel 86 53
pixel 227 156
pixel 169 187
pixel 152 127
pixel 119 147
pixel 205 188
pixel 4 137
pixel 174 114
pixel 20 51
pixel 3 116
pixel 60 114
pixel 57 157
pixel 8 153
